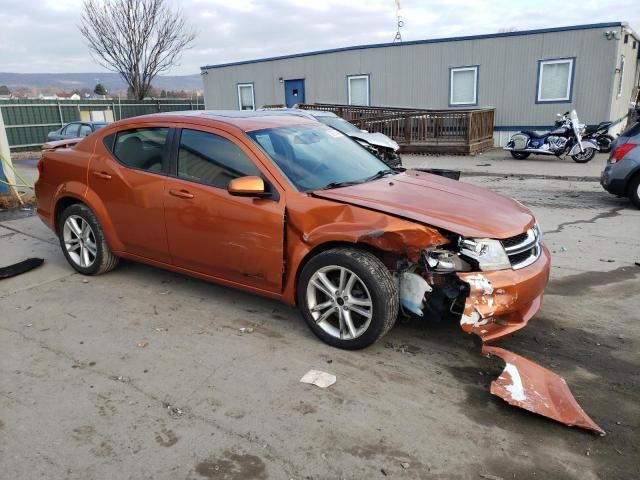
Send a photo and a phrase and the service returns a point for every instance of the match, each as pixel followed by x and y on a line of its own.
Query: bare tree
pixel 136 38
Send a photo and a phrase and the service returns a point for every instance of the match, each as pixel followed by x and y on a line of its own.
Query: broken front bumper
pixel 503 301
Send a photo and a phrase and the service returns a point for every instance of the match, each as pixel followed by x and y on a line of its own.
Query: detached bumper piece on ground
pixel 527 385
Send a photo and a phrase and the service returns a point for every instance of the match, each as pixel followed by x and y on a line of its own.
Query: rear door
pixel 238 239
pixel 129 176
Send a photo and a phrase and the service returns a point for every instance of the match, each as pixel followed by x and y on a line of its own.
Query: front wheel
pixel 604 142
pixel 348 297
pixel 519 155
pixel 585 156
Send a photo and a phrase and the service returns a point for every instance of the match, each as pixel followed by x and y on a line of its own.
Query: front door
pixel 130 181
pixel 294 92
pixel 239 239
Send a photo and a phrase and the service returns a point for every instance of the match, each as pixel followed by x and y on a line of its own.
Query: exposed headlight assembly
pixel 443 261
pixel 489 254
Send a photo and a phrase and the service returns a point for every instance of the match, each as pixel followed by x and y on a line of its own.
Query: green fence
pixel 27 122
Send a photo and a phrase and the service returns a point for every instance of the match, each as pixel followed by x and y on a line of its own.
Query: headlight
pixel 442 261
pixel 488 253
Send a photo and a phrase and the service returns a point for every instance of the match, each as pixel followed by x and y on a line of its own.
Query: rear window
pixel 141 148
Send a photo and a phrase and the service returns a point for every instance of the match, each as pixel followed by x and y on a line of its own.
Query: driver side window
pixel 141 148
pixel 211 159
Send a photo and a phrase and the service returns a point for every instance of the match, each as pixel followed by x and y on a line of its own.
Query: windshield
pixel 339 124
pixel 314 156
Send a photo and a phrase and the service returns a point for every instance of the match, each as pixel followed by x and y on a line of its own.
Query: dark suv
pixel 621 176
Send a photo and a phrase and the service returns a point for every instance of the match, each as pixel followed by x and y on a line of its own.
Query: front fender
pixel 314 222
pixel 586 143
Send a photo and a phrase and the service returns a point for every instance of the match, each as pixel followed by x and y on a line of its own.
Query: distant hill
pixel 111 81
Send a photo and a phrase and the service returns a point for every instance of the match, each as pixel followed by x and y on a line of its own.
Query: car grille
pixel 523 249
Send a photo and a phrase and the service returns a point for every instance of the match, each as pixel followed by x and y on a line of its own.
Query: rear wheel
pixel 634 190
pixel 604 142
pixel 348 297
pixel 519 155
pixel 585 156
pixel 83 242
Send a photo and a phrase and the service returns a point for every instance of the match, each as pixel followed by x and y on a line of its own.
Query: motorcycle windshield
pixel 575 125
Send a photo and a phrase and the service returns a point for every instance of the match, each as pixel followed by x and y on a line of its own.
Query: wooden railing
pixel 441 131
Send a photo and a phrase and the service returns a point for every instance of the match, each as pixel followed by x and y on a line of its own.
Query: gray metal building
pixel 527 76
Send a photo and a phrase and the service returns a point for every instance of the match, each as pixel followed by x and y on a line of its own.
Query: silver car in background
pixel 377 143
pixel 621 176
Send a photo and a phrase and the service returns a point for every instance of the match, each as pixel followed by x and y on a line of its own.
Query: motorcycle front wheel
pixel 604 142
pixel 519 155
pixel 585 156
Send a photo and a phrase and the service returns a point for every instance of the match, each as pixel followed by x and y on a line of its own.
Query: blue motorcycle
pixel 564 139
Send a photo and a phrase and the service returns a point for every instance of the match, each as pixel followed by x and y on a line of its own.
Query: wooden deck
pixel 422 131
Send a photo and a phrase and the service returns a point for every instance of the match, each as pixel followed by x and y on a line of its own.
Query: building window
pixel 621 77
pixel 463 86
pixel 358 89
pixel 555 80
pixel 246 97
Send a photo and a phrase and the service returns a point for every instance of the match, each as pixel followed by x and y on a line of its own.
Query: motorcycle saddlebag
pixel 520 141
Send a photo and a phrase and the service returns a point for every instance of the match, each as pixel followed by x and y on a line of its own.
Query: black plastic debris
pixel 452 174
pixel 20 267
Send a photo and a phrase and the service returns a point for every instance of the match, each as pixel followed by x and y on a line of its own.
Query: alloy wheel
pixel 339 302
pixel 79 241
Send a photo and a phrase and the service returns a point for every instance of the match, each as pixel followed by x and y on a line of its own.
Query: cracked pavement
pixel 143 373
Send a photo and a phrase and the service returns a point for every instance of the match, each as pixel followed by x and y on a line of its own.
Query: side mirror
pixel 250 186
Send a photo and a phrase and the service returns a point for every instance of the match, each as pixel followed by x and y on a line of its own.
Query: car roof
pixel 246 120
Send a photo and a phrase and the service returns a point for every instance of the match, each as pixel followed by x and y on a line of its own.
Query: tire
pixel 79 231
pixel 519 155
pixel 634 190
pixel 373 284
pixel 585 156
pixel 605 142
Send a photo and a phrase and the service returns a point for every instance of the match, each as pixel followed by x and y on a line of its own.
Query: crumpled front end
pixel 494 304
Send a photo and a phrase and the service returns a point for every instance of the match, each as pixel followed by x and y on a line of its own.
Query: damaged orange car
pixel 291 209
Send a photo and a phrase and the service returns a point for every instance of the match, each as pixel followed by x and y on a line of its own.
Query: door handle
pixel 181 193
pixel 103 175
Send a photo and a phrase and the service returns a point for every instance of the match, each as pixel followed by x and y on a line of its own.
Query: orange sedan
pixel 291 209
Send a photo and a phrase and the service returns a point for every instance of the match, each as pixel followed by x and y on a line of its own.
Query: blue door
pixel 293 92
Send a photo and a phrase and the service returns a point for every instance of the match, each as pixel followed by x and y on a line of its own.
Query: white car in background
pixel 377 143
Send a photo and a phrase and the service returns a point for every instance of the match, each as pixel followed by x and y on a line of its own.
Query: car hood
pixel 376 139
pixel 439 202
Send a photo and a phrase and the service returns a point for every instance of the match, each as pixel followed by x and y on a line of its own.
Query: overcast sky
pixel 42 35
